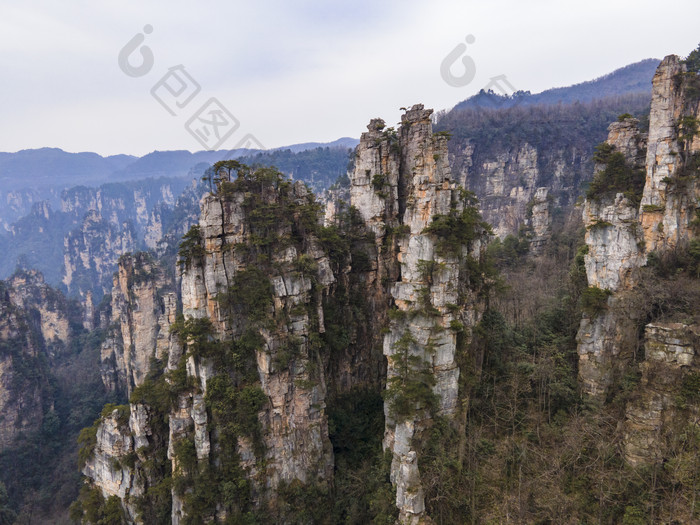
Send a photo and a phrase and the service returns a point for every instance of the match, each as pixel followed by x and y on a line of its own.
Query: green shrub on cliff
pixel 250 294
pixel 412 388
pixel 692 61
pixel 191 248
pixel 617 176
pixel 594 300
pixel 456 230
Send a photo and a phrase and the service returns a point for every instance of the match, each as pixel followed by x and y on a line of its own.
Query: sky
pixel 274 73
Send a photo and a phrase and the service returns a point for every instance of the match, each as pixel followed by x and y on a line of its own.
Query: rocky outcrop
pixel 26 313
pixel 670 192
pixel 90 256
pixel 142 312
pixel 19 202
pixel 505 183
pixel 335 200
pixel 113 443
pixel 540 220
pixel 402 185
pixel 121 462
pixel 56 315
pixel 621 234
pixel 613 236
pixel 615 249
pixel 136 202
pixel 294 423
pixel 270 327
pixel 662 407
pixel 614 240
pixel 21 400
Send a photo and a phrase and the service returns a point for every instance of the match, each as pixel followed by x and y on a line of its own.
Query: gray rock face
pixel 29 291
pixel 91 253
pixel 294 422
pixel 334 200
pixel 540 220
pixel 122 444
pixel 605 344
pixel 20 409
pixel 664 213
pixel 140 202
pixel 35 330
pixel 507 183
pixel 114 441
pixel 615 244
pixel 620 236
pixel 671 353
pixel 401 182
pixel 141 316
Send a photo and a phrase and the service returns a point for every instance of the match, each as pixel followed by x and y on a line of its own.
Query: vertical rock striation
pixel 615 249
pixel 280 314
pixel 37 325
pixel 142 312
pixel 293 421
pixel 671 357
pixel 402 184
pixel 670 193
pixel 90 255
pixel 621 235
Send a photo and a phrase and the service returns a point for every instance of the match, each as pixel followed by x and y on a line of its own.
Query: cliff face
pixel 36 326
pixel 279 316
pixel 118 219
pixel 18 203
pixel 79 244
pixel 90 255
pixel 21 400
pixel 57 317
pixel 621 238
pixel 615 250
pixel 508 150
pixel 425 236
pixel 522 187
pixel 621 234
pixel 665 404
pixel 128 457
pixel 117 204
pixel 254 335
pixel 293 422
pixel 142 311
pixel 671 192
pixel 507 183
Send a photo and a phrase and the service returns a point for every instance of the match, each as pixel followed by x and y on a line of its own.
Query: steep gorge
pixel 280 316
pixel 243 361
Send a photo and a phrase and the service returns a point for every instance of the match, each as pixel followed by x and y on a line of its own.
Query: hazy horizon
pixel 289 74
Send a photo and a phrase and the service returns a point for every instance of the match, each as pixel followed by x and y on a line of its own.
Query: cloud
pixel 296 71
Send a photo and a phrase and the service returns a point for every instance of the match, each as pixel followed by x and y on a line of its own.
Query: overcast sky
pixel 296 71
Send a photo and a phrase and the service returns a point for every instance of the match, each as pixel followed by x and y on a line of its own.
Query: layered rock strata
pixel 621 234
pixel 662 409
pixel 402 185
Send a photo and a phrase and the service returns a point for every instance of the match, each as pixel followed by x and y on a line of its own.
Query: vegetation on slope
pixel 40 470
pixel 616 176
pixel 631 79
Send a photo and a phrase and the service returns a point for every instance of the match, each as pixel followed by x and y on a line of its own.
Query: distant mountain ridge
pixel 633 78
pixel 53 167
